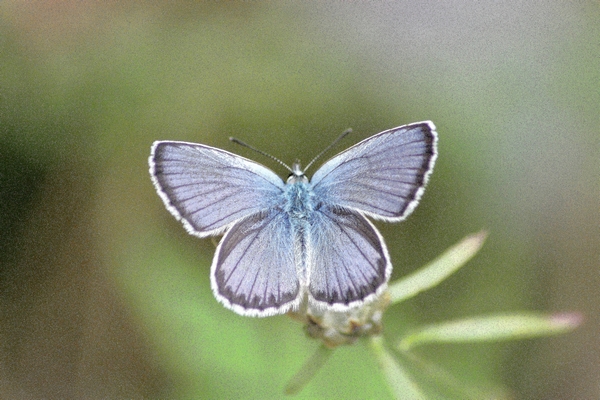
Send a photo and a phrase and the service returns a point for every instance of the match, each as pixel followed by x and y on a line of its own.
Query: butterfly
pixel 287 243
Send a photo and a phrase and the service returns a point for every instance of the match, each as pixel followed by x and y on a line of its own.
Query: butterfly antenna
pixel 234 140
pixel 343 135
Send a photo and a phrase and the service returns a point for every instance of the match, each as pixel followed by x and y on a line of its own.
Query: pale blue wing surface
pixel 208 188
pixel 254 269
pixel 383 176
pixel 348 262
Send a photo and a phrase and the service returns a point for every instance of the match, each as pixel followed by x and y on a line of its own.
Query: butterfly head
pixel 297 174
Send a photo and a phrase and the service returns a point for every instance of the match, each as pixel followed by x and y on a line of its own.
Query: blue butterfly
pixel 285 244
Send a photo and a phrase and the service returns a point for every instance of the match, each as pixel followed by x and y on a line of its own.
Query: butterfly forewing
pixel 254 269
pixel 208 188
pixel 348 260
pixel 382 176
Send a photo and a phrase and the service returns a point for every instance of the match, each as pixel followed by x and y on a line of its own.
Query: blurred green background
pixel 104 295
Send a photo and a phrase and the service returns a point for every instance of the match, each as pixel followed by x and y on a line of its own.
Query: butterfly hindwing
pixel 348 262
pixel 208 188
pixel 254 268
pixel 383 176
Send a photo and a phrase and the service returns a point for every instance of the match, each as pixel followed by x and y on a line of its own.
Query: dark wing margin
pixel 208 189
pixel 348 262
pixel 383 176
pixel 254 269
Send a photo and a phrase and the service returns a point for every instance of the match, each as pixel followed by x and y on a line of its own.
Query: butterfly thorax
pixel 298 197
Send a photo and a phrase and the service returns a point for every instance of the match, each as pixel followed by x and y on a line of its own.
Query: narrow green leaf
pixel 308 370
pixel 438 270
pixel 400 384
pixel 493 328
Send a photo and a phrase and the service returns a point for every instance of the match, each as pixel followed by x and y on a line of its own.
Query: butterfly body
pixel 303 240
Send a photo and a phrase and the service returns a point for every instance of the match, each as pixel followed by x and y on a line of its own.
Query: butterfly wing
pixel 254 269
pixel 348 260
pixel 383 176
pixel 208 189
